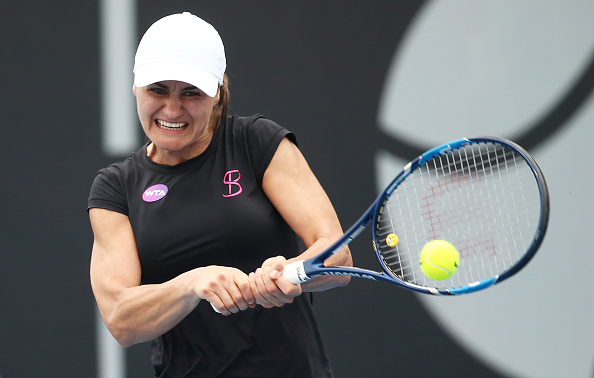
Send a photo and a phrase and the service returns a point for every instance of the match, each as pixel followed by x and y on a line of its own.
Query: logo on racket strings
pixel 155 193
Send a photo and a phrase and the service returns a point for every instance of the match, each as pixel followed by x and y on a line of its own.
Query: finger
pixel 241 292
pixel 216 302
pixel 246 291
pixel 288 289
pixel 277 267
pixel 266 299
pixel 276 262
pixel 274 294
pixel 258 297
pixel 226 292
pixel 214 308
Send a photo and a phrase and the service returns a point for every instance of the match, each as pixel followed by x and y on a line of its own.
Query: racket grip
pixel 295 272
pixel 214 308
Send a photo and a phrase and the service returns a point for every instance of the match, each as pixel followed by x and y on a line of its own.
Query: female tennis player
pixel 200 214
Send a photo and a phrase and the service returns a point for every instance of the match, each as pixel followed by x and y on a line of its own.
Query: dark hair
pixel 219 111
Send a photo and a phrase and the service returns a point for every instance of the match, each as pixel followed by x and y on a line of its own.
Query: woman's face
pixel 174 116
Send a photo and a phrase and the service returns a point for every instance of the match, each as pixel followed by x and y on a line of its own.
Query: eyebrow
pixel 191 87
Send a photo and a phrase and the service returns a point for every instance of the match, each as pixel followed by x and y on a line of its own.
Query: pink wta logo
pixel 155 193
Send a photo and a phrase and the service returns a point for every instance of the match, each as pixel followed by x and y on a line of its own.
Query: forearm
pixel 135 313
pixel 142 313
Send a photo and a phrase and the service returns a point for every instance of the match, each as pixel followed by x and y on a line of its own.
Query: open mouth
pixel 171 125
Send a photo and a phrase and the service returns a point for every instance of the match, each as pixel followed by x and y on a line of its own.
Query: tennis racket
pixel 485 196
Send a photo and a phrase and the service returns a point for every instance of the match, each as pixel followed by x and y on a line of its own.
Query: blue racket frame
pixel 315 266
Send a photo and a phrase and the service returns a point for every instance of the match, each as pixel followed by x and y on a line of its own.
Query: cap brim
pixel 156 72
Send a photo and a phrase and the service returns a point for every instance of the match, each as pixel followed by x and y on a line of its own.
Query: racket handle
pixel 295 272
pixel 215 309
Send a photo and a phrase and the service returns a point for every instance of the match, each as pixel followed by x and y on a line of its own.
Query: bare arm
pixel 294 190
pixel 135 313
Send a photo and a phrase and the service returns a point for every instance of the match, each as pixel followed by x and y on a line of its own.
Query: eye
pixel 157 90
pixel 192 94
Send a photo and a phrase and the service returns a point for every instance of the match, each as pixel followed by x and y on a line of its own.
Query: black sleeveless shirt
pixel 211 210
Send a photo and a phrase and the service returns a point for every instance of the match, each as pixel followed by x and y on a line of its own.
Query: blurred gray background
pixel 365 86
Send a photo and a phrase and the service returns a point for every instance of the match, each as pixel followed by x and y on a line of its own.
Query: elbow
pixel 343 259
pixel 122 338
pixel 342 281
pixel 120 333
pixel 126 343
pixel 325 282
pixel 348 262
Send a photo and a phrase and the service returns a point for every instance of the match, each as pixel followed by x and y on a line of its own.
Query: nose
pixel 173 106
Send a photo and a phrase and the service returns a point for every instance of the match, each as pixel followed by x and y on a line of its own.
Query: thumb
pixel 277 268
pixel 274 274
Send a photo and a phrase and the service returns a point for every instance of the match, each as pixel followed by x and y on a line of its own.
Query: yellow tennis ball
pixel 439 260
pixel 392 240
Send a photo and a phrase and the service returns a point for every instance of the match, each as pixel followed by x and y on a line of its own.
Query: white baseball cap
pixel 181 47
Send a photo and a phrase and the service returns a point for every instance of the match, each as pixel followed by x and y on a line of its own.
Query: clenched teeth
pixel 171 125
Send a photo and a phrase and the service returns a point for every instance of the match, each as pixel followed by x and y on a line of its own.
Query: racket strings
pixel 482 198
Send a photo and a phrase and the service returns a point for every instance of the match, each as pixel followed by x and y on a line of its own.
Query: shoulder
pixel 257 128
pixel 108 190
pixel 124 167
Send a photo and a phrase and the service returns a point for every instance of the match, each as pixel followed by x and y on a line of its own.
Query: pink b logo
pixel 232 180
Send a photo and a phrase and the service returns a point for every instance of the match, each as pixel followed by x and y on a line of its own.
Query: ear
pixel 134 89
pixel 217 96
